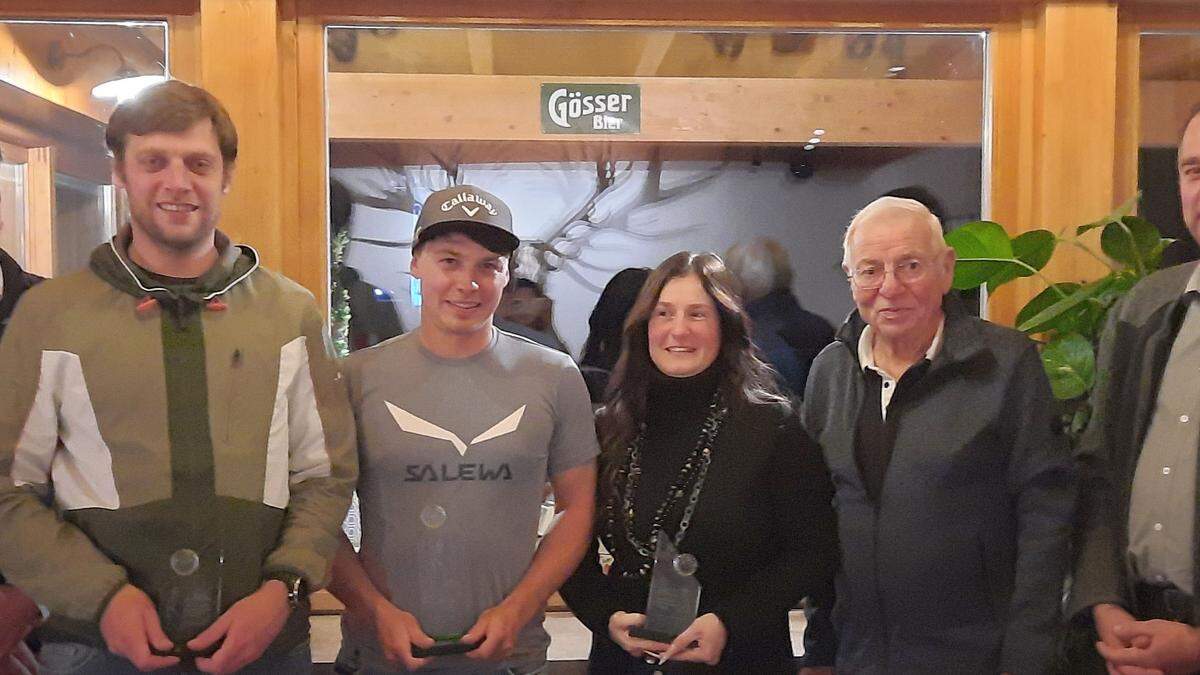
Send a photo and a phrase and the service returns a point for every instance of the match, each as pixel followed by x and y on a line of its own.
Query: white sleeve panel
pixel 296 446
pixel 61 439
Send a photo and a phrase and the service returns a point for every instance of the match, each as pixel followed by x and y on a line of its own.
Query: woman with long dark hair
pixel 698 444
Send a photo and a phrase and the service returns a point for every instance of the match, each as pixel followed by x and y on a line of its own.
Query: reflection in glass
pixel 12 210
pixel 780 134
pixel 1170 90
pixel 85 217
pixel 47 100
pixel 777 134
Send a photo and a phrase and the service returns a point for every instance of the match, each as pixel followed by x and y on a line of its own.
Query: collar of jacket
pixel 111 262
pixel 960 337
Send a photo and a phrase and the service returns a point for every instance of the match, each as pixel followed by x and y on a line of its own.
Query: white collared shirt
pixel 866 357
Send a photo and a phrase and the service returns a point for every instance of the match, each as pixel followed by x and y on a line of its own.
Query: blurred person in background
pixel 788 335
pixel 605 324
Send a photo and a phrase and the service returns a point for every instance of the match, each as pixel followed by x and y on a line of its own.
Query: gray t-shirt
pixel 454 455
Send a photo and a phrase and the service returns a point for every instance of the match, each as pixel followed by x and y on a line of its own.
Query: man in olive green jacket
pixel 176 451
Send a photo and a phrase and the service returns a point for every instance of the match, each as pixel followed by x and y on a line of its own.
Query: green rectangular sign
pixel 591 108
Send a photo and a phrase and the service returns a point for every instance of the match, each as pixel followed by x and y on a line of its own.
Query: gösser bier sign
pixel 591 108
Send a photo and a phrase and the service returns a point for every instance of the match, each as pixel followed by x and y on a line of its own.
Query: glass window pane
pixel 12 210
pixel 84 217
pixel 780 134
pixel 59 82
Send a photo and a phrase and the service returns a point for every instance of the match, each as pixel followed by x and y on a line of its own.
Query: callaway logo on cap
pixel 476 213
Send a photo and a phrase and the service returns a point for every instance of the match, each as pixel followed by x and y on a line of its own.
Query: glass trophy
pixel 192 602
pixel 674 593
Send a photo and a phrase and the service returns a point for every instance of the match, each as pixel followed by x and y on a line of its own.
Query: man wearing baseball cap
pixel 460 427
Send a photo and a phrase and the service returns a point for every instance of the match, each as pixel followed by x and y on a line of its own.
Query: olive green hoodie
pixel 186 438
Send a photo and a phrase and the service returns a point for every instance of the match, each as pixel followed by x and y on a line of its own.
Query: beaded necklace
pixel 693 472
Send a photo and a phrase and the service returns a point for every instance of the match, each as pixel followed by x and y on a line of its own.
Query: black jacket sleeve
pixel 1042 480
pixel 801 498
pixel 1099 573
pixel 589 592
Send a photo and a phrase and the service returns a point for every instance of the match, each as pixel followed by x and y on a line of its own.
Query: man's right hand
pixel 397 631
pixel 130 627
pixel 1108 616
pixel 619 625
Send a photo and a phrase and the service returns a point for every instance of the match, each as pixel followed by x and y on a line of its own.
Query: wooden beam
pixel 479 46
pixel 1128 114
pixel 90 9
pixel 247 82
pixel 653 52
pixel 1078 101
pixel 32 121
pixel 39 211
pixel 749 110
pixel 344 154
pixel 1062 118
pixel 311 268
pixel 727 13
pixel 289 80
pixel 183 47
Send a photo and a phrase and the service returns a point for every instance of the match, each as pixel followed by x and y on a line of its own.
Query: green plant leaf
pixel 1117 214
pixel 1120 284
pixel 1089 320
pixel 1154 260
pixel 1131 241
pixel 979 239
pixel 1048 318
pixel 1044 299
pixel 1033 248
pixel 1070 364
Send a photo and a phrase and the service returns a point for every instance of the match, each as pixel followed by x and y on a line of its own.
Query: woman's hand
pixel 702 642
pixel 619 625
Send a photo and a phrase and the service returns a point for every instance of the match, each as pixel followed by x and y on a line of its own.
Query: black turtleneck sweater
pixel 763 530
pixel 676 409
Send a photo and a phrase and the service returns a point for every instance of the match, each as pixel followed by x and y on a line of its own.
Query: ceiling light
pixel 125 86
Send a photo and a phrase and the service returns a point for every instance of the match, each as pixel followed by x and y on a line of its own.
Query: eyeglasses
pixel 869 277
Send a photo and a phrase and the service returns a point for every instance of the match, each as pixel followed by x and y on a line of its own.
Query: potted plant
pixel 1066 317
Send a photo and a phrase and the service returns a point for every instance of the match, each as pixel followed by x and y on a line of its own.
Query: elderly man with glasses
pixel 955 487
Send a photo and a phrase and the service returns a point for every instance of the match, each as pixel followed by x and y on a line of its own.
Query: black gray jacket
pixel 1133 355
pixel 959 566
pixel 16 282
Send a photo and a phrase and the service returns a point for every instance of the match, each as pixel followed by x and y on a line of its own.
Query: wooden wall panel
pixel 39 211
pixel 746 110
pixel 1065 159
pixel 1127 133
pixel 239 64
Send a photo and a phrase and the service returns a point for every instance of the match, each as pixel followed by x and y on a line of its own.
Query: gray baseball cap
pixel 476 213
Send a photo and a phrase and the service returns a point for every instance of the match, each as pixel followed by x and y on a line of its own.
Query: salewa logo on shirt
pixel 415 425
